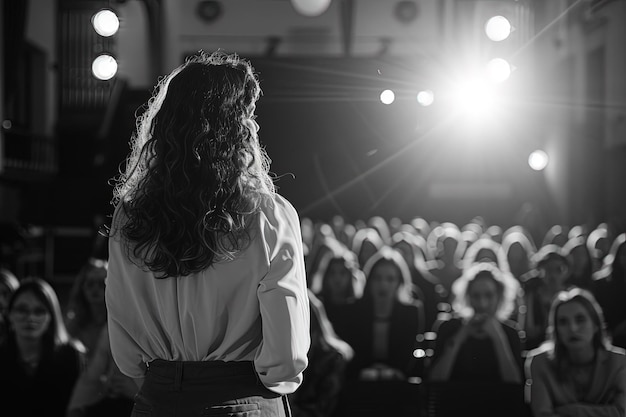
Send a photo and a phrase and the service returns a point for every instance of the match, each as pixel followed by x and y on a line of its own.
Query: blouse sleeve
pixel 127 353
pixel 283 301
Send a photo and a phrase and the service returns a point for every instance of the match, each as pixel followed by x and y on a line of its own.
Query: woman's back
pixel 214 315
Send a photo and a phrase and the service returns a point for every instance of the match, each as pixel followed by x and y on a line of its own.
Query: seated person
pixel 576 372
pixel 40 363
pixel 324 378
pixel 477 343
pixel 383 324
pixel 101 389
pixel 550 275
pixel 337 282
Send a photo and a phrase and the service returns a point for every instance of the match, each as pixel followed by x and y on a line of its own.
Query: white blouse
pixel 254 307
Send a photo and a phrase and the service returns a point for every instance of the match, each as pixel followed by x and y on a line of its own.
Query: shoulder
pixel 539 356
pixel 279 225
pixel 617 354
pixel 511 327
pixel 409 310
pixel 530 281
pixel 72 352
pixel 447 325
pixel 277 209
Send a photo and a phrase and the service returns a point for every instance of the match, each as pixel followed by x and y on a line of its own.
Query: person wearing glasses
pixel 39 361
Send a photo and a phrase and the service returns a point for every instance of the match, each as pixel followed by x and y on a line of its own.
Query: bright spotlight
pixel 387 97
pixel 475 98
pixel 425 98
pixel 498 28
pixel 499 70
pixel 310 8
pixel 105 23
pixel 538 160
pixel 104 67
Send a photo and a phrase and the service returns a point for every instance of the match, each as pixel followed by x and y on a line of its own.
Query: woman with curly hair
pixel 206 289
pixel 576 372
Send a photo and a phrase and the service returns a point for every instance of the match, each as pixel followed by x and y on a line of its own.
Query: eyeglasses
pixel 22 312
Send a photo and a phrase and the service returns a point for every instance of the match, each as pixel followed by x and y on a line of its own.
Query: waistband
pixel 216 368
pixel 179 374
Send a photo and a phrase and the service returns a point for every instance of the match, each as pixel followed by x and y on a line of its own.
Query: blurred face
pixel 29 317
pixel 483 297
pixel 574 326
pixel 518 260
pixel 579 258
pixel 554 273
pixel 384 281
pixel 93 287
pixel 338 279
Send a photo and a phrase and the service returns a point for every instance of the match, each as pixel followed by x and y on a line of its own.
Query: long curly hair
pixel 196 171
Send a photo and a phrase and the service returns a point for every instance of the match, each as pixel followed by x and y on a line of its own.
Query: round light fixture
pixel 310 8
pixel 105 23
pixel 104 67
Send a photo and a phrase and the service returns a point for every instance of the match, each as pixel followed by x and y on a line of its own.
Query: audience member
pixel 609 288
pixel 485 249
pixel 325 376
pixel 337 282
pixel 323 241
pixel 432 294
pixel 519 248
pixel 447 248
pixel 86 311
pixel 599 244
pixel 40 362
pixel 580 261
pixel 367 241
pixel 101 389
pixel 478 343
pixel 382 326
pixel 8 285
pixel 540 285
pixel 576 372
pixel 344 231
pixel 381 226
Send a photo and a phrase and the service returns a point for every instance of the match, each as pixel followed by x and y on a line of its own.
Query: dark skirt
pixel 209 388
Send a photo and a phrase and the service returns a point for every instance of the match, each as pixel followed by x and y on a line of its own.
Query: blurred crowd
pixel 407 318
